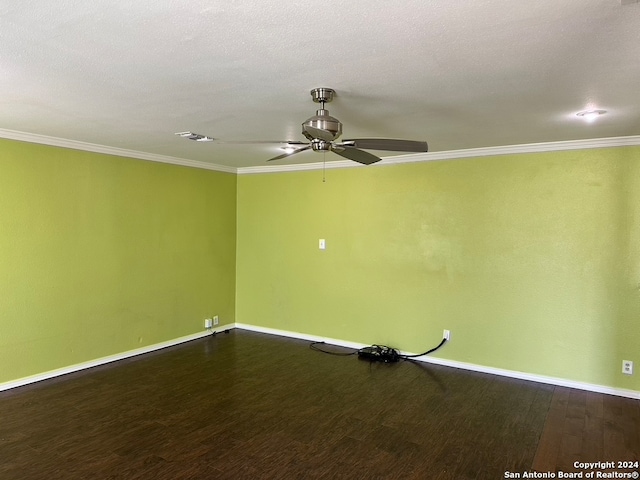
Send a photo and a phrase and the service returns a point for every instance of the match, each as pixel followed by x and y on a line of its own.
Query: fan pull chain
pixel 324 167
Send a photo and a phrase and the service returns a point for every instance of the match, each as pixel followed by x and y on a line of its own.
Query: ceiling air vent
pixel 195 136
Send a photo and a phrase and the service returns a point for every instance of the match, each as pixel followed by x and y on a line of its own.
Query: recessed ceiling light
pixel 590 115
pixel 195 136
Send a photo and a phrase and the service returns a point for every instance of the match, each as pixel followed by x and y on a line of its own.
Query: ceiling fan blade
pixel 388 144
pixel 355 154
pixel 288 154
pixel 257 142
pixel 319 133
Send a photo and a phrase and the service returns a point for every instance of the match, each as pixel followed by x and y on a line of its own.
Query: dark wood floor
pixel 247 405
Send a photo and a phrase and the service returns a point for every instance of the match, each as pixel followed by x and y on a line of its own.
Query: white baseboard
pixel 101 361
pixel 299 336
pixel 561 382
pixel 332 341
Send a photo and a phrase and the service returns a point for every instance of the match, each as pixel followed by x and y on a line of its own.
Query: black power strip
pixel 379 353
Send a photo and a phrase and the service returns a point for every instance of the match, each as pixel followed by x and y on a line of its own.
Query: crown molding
pixel 457 154
pixel 120 152
pixel 300 167
pixel 633 140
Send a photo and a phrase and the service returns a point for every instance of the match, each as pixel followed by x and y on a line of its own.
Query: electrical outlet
pixel 208 323
pixel 216 321
pixel 322 244
pixel 627 367
pixel 446 335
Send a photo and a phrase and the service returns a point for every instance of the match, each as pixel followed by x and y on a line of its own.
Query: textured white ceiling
pixel 459 74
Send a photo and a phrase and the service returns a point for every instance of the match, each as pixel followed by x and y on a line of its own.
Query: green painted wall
pixel 532 261
pixel 101 255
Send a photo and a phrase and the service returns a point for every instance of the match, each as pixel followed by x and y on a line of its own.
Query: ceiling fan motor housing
pixel 322 121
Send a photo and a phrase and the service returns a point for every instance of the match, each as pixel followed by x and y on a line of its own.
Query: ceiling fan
pixel 322 130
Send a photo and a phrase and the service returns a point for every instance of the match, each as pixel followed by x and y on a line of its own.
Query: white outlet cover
pixel 627 367
pixel 322 245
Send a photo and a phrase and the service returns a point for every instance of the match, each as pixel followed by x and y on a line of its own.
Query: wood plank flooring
pixel 248 405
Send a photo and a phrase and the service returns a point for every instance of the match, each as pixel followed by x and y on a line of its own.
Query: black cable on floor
pixel 313 346
pixel 444 340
